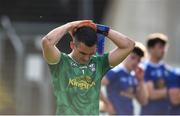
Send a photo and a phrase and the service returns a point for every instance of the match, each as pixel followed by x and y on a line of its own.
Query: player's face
pixel 158 51
pixel 83 53
pixel 133 60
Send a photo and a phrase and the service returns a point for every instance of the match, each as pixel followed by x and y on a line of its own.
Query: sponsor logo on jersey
pixel 82 82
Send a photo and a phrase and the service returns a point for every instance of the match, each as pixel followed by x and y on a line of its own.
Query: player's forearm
pixel 179 96
pixel 142 93
pixel 56 34
pixel 120 40
pixel 124 47
pixel 108 105
pixel 158 94
pixel 174 96
pixel 103 98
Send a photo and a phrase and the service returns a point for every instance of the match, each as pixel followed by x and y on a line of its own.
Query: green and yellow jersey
pixel 77 86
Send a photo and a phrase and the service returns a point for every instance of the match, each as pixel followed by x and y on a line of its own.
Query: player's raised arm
pixel 124 46
pixel 50 51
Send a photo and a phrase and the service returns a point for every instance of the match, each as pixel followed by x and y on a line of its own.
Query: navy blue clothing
pixel 159 75
pixel 174 82
pixel 120 84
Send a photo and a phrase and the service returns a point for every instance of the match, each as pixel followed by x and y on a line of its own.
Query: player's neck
pixel 127 68
pixel 73 57
pixel 155 60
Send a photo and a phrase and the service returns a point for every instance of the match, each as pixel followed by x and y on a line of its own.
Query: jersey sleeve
pixel 147 76
pixel 54 68
pixel 172 81
pixel 104 63
pixel 111 75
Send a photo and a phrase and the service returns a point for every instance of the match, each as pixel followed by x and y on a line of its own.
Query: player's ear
pixel 72 45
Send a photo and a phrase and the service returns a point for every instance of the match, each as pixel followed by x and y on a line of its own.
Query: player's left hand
pixel 88 23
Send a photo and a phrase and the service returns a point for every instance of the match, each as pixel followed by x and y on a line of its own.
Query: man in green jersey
pixel 76 77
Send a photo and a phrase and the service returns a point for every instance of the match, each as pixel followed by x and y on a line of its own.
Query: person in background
pixel 156 74
pixel 125 82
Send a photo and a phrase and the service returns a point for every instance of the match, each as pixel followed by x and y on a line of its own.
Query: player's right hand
pixel 139 73
pixel 77 24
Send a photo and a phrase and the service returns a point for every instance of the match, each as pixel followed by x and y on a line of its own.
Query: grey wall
pixel 138 18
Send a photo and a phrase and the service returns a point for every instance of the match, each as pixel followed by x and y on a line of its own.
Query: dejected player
pixel 76 77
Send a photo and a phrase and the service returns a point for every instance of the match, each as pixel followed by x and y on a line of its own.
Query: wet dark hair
pixel 86 35
pixel 153 41
pixel 138 51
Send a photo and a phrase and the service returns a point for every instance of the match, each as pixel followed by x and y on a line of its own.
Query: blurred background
pixel 25 86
